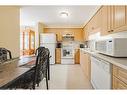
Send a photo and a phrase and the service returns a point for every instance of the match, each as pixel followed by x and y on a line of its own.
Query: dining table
pixel 13 69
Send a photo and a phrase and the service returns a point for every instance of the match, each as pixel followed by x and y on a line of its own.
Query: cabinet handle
pixel 112 30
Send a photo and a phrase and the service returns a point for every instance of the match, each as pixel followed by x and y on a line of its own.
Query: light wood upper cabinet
pixel 109 19
pixel 78 35
pixel 85 33
pixel 114 19
pixel 94 24
pixel 105 19
pixel 58 36
pixel 97 21
pixel 119 18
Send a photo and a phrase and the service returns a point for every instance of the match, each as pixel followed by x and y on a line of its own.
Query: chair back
pixel 4 55
pixel 41 64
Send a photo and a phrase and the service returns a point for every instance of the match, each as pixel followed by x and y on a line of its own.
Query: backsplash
pixel 97 36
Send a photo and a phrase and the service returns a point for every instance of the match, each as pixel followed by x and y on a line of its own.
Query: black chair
pixel 33 77
pixel 4 54
pixel 41 68
pixel 40 49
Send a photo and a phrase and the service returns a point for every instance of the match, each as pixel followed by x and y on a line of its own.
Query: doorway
pixel 27 42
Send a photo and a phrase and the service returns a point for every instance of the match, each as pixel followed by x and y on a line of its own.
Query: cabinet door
pixel 89 27
pixel 77 56
pixel 88 66
pixel 85 64
pixel 82 61
pixel 118 84
pixel 85 33
pixel 104 27
pixel 97 21
pixel 78 35
pixel 58 55
pixel 107 20
pixel 119 18
pixel 58 36
pixel 120 73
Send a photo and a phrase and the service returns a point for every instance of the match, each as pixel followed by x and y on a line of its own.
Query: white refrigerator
pixel 48 40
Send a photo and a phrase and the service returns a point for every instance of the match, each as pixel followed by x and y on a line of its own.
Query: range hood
pixel 68 37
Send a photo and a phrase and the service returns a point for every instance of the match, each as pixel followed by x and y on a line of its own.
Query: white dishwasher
pixel 100 73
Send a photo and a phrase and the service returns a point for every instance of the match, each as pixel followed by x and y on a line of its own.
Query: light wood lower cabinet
pixel 58 56
pixel 85 64
pixel 118 84
pixel 119 79
pixel 77 56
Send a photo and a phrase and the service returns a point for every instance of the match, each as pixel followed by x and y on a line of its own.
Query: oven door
pixel 67 53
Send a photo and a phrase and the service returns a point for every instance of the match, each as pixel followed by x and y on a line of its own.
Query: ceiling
pixel 78 16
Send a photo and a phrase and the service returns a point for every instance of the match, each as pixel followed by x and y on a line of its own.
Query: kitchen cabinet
pixel 105 19
pixel 95 23
pixel 77 56
pixel 58 56
pixel 114 19
pixel 90 27
pixel 58 36
pixel 78 35
pixel 86 30
pixel 109 19
pixel 77 32
pixel 85 33
pixel 118 84
pixel 119 78
pixel 85 64
pixel 119 18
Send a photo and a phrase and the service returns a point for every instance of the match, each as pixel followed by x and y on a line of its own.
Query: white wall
pixel 10 29
pixel 39 28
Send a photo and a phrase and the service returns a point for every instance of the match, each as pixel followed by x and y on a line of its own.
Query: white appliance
pixel 48 40
pixel 67 54
pixel 116 47
pixel 68 37
pixel 100 73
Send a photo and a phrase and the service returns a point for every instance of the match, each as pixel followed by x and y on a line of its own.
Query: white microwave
pixel 116 47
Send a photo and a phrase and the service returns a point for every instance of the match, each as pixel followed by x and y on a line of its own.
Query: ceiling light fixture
pixel 64 14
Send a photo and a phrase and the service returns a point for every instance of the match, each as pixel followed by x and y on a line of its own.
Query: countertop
pixel 121 62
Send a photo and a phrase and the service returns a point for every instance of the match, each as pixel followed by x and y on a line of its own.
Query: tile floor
pixel 66 77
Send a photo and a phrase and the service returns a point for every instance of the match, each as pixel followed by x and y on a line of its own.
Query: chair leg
pixel 37 84
pixel 46 81
pixel 33 86
pixel 48 70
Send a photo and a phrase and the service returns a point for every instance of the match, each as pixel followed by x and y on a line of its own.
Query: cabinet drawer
pixel 120 73
pixel 118 84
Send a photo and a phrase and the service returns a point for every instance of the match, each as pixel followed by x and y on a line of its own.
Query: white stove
pixel 67 54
